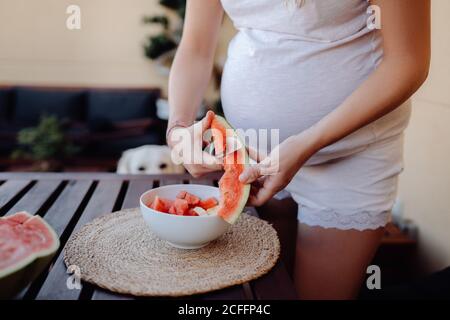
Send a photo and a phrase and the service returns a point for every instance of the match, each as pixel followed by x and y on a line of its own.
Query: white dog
pixel 149 159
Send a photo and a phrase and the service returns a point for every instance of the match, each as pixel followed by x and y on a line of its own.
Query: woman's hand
pixel 274 172
pixel 187 147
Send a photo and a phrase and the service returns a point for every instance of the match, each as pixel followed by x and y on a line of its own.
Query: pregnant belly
pixel 284 88
pixel 273 83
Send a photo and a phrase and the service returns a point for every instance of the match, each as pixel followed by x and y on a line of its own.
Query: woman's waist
pixel 271 127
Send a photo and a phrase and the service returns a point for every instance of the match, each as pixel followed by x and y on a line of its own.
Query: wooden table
pixel 67 201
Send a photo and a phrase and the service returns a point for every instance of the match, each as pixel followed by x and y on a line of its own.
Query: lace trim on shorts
pixel 328 218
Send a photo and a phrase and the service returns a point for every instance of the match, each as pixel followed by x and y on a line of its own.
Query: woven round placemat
pixel 118 252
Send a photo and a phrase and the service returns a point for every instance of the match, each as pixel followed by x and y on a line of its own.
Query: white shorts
pixel 355 191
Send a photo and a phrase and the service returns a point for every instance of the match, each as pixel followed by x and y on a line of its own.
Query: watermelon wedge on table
pixel 27 245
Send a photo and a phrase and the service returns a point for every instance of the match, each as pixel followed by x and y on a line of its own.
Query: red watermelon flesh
pixel 19 217
pixel 161 204
pixel 181 206
pixel 158 205
pixel 233 193
pixel 20 235
pixel 167 203
pixel 181 195
pixel 208 203
pixel 191 199
pixel 24 240
pixel 172 210
pixel 191 212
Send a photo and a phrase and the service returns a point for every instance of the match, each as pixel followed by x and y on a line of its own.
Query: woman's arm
pixel 404 68
pixel 192 66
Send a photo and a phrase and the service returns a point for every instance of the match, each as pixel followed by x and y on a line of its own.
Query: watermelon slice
pixel 233 193
pixel 27 245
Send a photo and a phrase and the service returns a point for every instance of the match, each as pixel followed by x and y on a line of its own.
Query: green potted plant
pixel 161 47
pixel 46 145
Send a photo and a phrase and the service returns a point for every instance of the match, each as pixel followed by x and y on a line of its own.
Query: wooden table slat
pixel 206 182
pixel 169 180
pixel 61 212
pixel 101 202
pixel 131 200
pixel 35 198
pixel 135 189
pixel 10 189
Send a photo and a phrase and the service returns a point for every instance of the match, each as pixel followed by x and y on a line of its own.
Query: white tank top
pixel 288 67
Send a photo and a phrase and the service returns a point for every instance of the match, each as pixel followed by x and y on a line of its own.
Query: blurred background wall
pixel 425 183
pixel 37 48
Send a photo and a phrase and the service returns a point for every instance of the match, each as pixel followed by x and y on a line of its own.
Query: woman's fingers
pixel 250 174
pixel 209 161
pixel 253 172
pixel 206 121
pixel 262 190
pixel 198 171
pixel 208 164
pixel 263 195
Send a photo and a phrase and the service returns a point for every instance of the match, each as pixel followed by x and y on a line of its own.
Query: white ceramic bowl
pixel 184 232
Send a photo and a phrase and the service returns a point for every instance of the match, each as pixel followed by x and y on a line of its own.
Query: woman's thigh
pixel 331 263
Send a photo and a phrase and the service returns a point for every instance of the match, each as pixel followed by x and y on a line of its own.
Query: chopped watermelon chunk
pixel 181 195
pixel 191 199
pixel 192 213
pixel 161 204
pixel 172 210
pixel 167 203
pixel 158 205
pixel 185 204
pixel 181 206
pixel 208 203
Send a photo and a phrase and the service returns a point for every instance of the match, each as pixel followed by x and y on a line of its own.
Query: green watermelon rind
pixel 16 277
pixel 232 218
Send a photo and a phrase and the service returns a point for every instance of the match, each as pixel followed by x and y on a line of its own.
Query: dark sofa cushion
pixel 31 104
pixel 5 103
pixel 121 105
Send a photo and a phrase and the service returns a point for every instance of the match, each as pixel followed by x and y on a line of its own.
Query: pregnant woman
pixel 337 90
